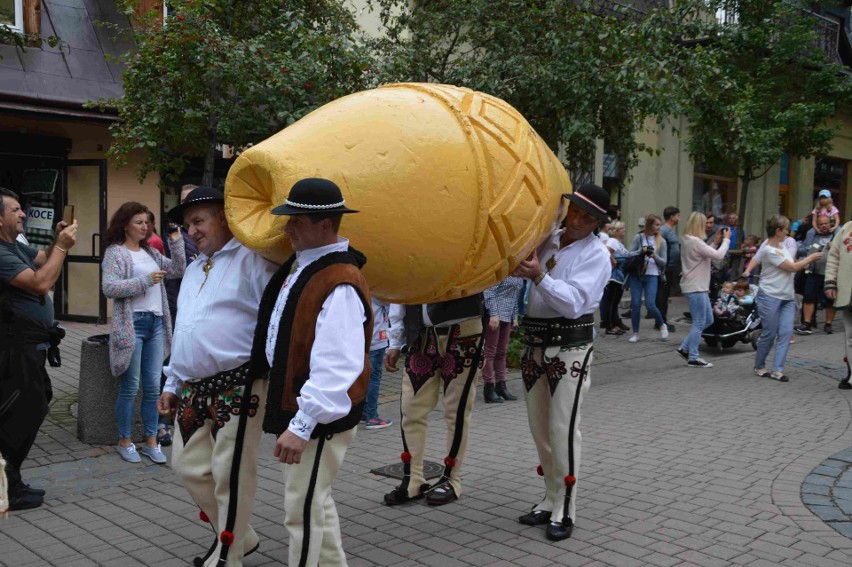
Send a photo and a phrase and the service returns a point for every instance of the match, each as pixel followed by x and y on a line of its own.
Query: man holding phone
pixel 27 331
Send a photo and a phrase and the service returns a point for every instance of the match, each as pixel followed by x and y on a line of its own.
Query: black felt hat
pixel 592 199
pixel 313 196
pixel 198 196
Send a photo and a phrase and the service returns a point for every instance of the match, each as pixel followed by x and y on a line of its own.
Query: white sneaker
pixel 633 339
pixel 154 453
pixel 129 454
pixel 664 331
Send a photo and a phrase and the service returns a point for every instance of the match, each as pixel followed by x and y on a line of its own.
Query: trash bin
pixel 98 390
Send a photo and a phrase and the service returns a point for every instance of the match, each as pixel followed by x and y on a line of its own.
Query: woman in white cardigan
pixel 695 258
pixel 141 332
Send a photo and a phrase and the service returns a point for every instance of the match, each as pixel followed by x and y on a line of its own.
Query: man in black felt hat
pixel 313 336
pixel 569 271
pixel 219 403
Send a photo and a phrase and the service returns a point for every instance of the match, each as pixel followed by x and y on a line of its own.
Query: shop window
pixel 714 193
pixel 12 14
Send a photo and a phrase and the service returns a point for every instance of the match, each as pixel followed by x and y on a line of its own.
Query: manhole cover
pixel 430 470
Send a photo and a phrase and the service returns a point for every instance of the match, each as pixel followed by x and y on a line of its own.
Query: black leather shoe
pixel 845 385
pixel 400 496
pixel 558 532
pixel 502 391
pixel 442 494
pixel 25 501
pixel 490 395
pixel 535 518
pixel 34 491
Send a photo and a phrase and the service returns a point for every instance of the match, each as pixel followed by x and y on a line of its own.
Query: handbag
pixel 448 313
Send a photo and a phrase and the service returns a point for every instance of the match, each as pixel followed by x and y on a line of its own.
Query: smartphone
pixel 68 215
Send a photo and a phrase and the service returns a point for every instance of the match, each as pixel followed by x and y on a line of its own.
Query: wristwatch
pixel 538 278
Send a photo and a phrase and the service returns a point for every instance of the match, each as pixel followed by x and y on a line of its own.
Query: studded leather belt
pixel 558 331
pixel 223 381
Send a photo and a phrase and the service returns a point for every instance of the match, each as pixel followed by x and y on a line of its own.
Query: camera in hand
pixel 649 251
pixel 173 228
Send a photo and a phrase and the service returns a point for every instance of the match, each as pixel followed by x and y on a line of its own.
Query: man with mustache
pixel 219 403
pixel 558 334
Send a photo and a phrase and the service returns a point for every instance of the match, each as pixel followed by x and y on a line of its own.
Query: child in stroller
pixel 735 318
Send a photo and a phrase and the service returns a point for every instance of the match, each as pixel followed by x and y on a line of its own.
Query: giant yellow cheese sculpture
pixel 453 186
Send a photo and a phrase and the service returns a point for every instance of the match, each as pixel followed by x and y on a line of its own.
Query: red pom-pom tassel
pixel 226 537
pixel 203 517
pixel 405 456
pixel 450 462
pixel 540 470
pixel 570 480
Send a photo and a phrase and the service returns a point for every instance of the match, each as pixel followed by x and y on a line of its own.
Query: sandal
pixel 779 376
pixel 762 373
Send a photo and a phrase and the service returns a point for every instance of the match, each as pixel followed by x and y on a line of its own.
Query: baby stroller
pixel 742 327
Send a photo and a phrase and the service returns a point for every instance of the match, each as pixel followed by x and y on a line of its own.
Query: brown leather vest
pixel 308 308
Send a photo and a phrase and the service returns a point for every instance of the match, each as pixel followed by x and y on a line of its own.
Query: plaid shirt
pixel 502 299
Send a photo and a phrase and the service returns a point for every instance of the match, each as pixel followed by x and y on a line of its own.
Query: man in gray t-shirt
pixel 26 330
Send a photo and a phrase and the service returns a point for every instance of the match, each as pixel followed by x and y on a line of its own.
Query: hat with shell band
pixel 592 199
pixel 313 196
pixel 198 196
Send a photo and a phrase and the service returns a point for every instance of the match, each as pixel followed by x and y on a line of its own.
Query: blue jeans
pixel 648 284
pixel 377 358
pixel 145 366
pixel 702 317
pixel 776 316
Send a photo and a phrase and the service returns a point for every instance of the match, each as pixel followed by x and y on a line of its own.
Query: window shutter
pixel 145 6
pixel 32 16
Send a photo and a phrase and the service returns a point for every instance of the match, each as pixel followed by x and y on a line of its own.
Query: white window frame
pixel 18 26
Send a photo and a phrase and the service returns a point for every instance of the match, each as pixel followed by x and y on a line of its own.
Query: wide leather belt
pixel 558 331
pixel 223 381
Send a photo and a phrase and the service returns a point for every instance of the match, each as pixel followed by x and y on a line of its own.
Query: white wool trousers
pixel 216 460
pixel 310 514
pixel 556 379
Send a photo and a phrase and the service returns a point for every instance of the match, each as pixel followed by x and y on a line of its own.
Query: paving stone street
pixel 680 466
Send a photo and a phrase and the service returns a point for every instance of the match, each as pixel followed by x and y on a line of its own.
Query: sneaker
pixel 633 339
pixel 670 327
pixel 779 376
pixel 664 332
pixel 154 453
pixel 792 340
pixel 129 454
pixel 165 439
pixel 827 329
pixel 683 353
pixel 378 423
pixel 804 329
pixel 699 363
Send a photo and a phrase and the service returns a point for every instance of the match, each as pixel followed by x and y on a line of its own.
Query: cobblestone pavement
pixel 680 466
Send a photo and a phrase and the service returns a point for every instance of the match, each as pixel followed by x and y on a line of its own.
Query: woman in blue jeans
pixel 141 331
pixel 776 300
pixel 650 244
pixel 378 347
pixel 695 258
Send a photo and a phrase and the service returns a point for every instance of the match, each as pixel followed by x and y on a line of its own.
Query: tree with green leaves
pixel 578 71
pixel 761 83
pixel 226 71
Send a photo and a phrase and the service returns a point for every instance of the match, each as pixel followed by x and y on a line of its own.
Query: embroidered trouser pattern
pixel 204 453
pixel 556 379
pixel 310 514
pixel 443 362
